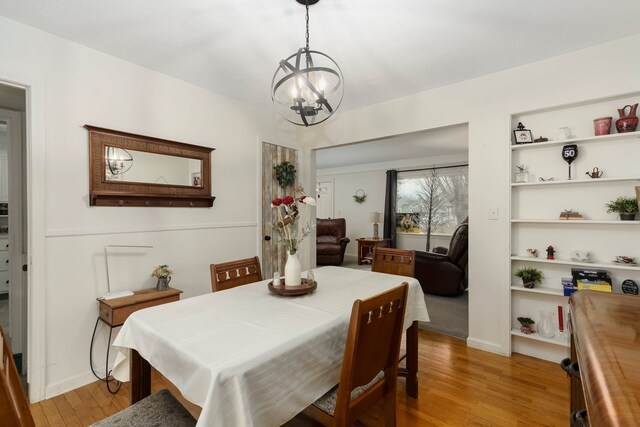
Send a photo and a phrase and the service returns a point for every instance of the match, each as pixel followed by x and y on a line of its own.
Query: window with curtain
pixel 435 198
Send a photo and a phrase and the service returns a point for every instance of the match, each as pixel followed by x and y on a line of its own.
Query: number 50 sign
pixel 569 154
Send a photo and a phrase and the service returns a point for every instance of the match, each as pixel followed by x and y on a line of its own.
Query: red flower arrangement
pixel 286 225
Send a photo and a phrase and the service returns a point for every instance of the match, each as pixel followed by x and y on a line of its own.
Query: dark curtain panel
pixel 390 207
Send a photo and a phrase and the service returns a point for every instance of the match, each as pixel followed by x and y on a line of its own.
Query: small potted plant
pixel 625 206
pixel 530 276
pixel 526 325
pixel 163 273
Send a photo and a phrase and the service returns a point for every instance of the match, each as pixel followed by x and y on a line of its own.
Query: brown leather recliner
pixel 444 273
pixel 331 241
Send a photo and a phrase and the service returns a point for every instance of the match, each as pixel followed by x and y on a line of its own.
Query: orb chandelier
pixel 307 87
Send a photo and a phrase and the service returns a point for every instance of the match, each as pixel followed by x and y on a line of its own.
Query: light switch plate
pixel 493 213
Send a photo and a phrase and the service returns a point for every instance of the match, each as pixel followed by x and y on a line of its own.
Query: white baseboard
pixel 53 390
pixel 486 346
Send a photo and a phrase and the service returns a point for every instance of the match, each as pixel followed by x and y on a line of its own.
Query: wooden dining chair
pixel 14 405
pixel 230 274
pixel 403 263
pixel 394 261
pixel 160 409
pixel 370 364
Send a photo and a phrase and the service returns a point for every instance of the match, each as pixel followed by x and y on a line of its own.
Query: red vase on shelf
pixel 602 126
pixel 628 122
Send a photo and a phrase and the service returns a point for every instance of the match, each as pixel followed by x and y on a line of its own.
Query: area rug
pixel 448 315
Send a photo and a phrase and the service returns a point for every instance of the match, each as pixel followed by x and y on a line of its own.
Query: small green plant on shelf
pixel 625 206
pixel 530 276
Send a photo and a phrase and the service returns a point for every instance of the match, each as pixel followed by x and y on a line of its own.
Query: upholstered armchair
pixel 331 241
pixel 443 272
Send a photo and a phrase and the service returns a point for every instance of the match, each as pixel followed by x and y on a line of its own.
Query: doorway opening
pixel 358 172
pixel 13 222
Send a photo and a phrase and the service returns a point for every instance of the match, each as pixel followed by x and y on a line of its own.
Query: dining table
pixel 249 357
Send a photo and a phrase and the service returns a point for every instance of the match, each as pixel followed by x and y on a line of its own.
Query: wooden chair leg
pixel 390 408
pixel 412 360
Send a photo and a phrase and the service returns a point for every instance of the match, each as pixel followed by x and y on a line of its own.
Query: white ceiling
pixel 447 141
pixel 386 49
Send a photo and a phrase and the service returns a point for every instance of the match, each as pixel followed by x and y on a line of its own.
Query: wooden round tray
pixel 290 291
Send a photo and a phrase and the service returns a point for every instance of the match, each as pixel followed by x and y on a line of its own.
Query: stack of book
pixel 594 280
pixel 570 215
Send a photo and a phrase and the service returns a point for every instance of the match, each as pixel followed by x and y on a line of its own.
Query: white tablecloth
pixel 252 358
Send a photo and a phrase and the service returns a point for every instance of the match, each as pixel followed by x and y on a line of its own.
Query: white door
pixel 12 185
pixel 324 199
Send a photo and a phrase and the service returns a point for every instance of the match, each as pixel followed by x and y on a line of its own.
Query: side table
pixel 115 311
pixel 366 246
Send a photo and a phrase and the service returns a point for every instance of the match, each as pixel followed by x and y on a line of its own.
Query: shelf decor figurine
pixel 533 253
pixel 530 276
pixel 581 256
pixel 626 207
pixel 569 154
pixel 522 175
pixel 163 273
pixel 526 325
pixel 522 135
pixel 602 126
pixel 551 252
pixel 565 133
pixel 595 173
pixel 628 122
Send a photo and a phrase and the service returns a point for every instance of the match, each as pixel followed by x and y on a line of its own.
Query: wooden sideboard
pixel 604 370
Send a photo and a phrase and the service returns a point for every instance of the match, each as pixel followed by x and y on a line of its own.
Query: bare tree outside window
pixel 435 203
pixel 432 202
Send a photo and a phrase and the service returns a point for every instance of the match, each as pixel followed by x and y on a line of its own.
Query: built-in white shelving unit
pixel 535 207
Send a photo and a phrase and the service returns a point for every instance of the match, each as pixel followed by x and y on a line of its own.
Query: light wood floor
pixel 457 387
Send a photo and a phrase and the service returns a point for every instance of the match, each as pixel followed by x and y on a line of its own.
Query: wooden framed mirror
pixel 135 170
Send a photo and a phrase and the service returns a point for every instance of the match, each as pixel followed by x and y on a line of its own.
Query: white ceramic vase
pixel 292 272
pixel 545 324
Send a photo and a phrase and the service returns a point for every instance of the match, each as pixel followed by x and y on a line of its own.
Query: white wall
pixel 372 178
pixel 485 103
pixel 82 86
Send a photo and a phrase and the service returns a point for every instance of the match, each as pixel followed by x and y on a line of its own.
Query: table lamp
pixel 375 218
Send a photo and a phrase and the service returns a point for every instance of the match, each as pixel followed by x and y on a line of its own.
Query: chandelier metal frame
pixel 297 68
